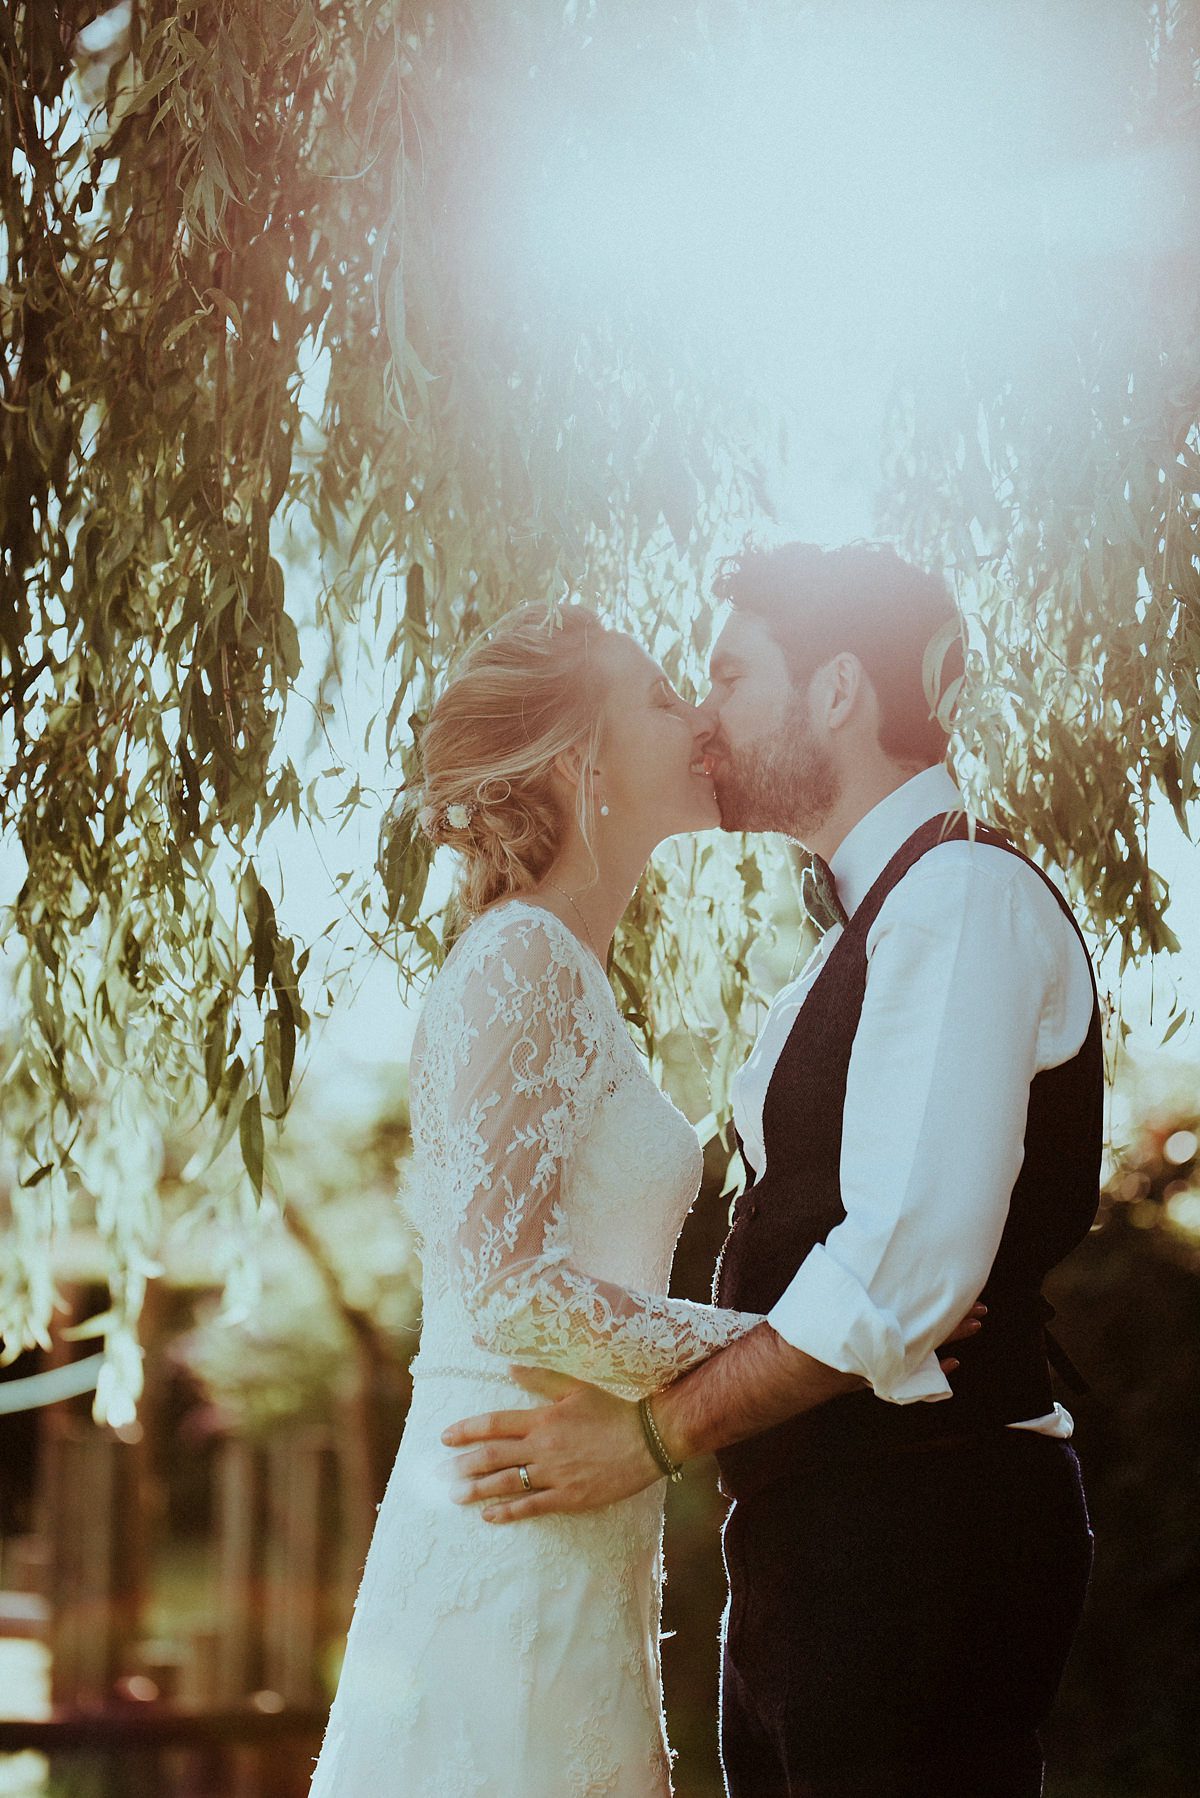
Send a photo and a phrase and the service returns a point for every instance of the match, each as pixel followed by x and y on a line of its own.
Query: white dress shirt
pixel 975 982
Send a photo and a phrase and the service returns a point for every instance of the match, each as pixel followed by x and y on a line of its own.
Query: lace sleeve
pixel 531 1070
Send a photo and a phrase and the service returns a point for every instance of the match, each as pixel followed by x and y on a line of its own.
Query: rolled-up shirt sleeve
pixel 965 1000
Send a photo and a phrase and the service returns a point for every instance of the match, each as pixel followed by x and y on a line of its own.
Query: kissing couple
pixel 921 1121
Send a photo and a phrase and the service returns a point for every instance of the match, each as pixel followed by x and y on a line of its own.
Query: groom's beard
pixel 788 784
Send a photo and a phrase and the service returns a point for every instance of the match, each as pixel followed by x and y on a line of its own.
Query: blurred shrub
pixel 1129 1299
pixel 335 1288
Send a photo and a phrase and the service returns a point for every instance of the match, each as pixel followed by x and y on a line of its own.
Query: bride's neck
pixel 594 890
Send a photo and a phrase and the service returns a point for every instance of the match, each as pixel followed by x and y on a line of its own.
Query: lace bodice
pixel 551 1176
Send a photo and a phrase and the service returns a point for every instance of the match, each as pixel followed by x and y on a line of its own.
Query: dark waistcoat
pixel 1003 1377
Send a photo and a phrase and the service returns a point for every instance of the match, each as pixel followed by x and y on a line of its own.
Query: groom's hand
pixel 584 1449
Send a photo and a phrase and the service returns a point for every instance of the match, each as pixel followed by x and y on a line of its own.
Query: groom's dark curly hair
pixel 863 598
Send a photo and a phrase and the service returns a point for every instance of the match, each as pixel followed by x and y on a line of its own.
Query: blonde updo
pixel 527 692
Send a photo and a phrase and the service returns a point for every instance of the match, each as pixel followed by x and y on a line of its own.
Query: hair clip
pixel 435 819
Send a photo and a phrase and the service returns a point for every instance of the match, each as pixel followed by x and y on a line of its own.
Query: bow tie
pixel 818 894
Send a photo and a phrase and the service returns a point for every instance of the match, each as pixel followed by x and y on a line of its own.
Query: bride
pixel 549 1183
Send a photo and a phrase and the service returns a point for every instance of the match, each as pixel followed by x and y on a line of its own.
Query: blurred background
pixel 331 332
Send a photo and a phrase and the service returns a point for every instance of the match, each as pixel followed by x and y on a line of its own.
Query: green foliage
pixel 1052 461
pixel 254 284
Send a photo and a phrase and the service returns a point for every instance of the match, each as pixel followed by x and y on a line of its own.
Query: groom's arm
pixel 588 1448
pixel 755 1383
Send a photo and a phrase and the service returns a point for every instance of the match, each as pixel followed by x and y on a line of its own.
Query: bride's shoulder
pixel 519 934
pixel 516 962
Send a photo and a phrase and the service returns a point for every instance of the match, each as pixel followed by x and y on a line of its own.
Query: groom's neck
pixel 862 787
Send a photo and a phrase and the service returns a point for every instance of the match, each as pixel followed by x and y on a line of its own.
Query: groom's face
pixel 770 767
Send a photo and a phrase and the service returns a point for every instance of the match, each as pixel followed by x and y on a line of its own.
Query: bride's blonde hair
pixel 523 695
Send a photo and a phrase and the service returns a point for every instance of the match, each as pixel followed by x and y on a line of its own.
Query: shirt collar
pixel 861 857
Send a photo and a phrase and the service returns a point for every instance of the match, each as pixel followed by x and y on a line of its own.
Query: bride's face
pixel 650 771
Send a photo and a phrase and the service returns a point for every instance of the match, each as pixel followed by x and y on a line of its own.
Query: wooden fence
pixel 235 1708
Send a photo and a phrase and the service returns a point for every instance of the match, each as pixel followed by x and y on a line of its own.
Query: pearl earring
pixel 604 811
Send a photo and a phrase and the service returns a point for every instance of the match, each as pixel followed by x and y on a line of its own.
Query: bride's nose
pixel 704 722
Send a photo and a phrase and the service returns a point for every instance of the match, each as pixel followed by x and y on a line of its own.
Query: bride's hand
pixel 968 1326
pixel 585 1448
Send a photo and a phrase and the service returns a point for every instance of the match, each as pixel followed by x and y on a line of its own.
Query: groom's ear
pixel 838 690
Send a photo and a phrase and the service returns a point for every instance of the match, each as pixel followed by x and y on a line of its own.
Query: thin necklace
pixel 578 914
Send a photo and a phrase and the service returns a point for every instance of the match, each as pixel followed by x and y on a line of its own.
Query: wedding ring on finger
pixel 526 1482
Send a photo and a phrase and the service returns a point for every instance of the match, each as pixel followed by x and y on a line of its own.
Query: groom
pixel 921 1115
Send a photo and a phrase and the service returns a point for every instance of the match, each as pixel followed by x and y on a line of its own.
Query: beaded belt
pixel 459 1373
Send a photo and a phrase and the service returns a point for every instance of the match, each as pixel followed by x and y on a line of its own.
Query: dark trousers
pixel 898 1624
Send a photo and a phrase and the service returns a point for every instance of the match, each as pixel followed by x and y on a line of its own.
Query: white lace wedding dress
pixel 549 1184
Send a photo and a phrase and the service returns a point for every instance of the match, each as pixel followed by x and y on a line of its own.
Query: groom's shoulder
pixel 978 871
pixel 983 884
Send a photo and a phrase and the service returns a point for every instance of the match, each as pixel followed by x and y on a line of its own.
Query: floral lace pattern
pixel 549 1184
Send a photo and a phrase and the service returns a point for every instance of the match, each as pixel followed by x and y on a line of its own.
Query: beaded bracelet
pixel 655 1444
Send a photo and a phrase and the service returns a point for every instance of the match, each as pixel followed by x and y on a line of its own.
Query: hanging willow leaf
pixel 250 1135
pixel 1177 1023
